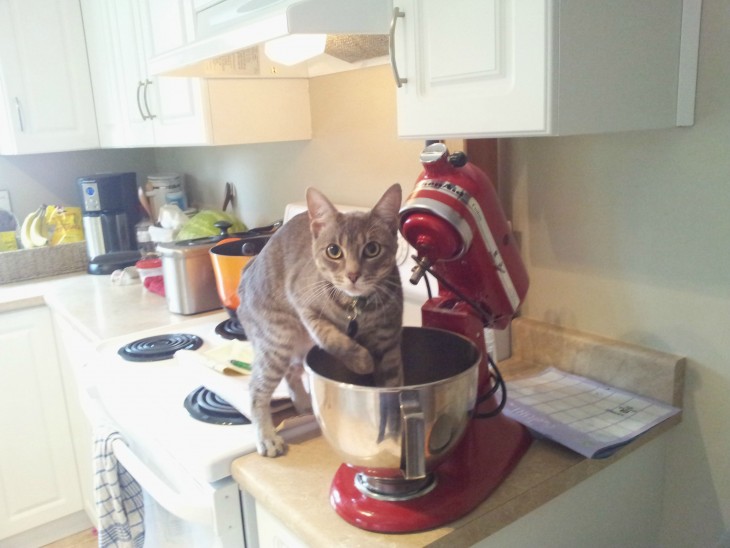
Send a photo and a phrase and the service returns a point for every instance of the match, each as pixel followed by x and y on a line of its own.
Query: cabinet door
pixel 176 104
pixel 38 476
pixel 118 73
pixel 134 107
pixel 471 65
pixel 75 351
pixel 44 78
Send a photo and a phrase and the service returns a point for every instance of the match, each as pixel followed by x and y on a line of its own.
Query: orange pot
pixel 228 258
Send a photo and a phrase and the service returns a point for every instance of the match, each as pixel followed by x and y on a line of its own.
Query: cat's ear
pixel 389 204
pixel 320 210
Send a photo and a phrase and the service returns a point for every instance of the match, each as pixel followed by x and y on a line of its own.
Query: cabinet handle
pixel 140 85
pixel 391 46
pixel 19 109
pixel 146 106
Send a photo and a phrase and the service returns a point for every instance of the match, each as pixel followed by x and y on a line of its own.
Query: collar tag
pixel 355 308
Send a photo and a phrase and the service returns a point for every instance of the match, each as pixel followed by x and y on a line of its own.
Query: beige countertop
pixel 92 304
pixel 295 488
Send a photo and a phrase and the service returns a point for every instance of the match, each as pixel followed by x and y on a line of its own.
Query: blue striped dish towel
pixel 118 497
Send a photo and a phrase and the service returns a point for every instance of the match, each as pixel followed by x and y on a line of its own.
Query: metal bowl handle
pixel 413 458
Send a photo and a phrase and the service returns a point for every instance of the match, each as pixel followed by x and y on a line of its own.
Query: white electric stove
pixel 182 463
pixel 147 401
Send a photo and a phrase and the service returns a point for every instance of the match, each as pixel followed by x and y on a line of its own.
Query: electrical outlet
pixel 499 343
pixel 5 200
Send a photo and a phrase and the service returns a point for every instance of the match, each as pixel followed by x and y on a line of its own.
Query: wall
pixel 36 179
pixel 353 157
pixel 628 236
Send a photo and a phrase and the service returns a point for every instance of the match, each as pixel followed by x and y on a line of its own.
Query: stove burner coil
pixel 231 329
pixel 159 347
pixel 207 406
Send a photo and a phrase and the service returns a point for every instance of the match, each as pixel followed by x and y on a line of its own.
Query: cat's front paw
pixel 361 361
pixel 271 446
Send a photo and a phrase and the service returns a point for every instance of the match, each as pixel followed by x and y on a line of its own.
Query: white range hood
pixel 226 27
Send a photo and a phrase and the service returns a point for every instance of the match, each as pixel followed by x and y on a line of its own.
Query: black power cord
pixel 494 373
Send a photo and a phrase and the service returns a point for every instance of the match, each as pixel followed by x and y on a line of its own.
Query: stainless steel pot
pixel 402 432
pixel 187 269
pixel 188 276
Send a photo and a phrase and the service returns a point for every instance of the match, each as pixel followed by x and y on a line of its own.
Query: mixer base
pixel 395 489
pixel 487 454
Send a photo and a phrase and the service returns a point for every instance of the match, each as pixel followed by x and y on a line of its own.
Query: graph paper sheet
pixel 589 417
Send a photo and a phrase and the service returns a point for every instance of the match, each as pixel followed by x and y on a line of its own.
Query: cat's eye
pixel 372 249
pixel 334 251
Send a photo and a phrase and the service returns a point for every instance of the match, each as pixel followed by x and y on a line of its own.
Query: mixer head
pixel 454 221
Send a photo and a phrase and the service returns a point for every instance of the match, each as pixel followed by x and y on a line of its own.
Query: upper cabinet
pixel 136 108
pixel 496 68
pixel 46 104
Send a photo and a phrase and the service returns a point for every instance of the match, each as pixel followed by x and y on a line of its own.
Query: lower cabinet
pixel 263 529
pixel 38 476
pixel 73 352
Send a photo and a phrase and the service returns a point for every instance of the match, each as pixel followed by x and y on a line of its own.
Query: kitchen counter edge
pixel 93 305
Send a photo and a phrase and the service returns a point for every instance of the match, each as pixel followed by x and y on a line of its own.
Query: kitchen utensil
pixel 230 196
pixel 454 221
pixel 228 259
pixel 145 203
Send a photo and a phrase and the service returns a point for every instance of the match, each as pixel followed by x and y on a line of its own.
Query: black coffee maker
pixel 110 210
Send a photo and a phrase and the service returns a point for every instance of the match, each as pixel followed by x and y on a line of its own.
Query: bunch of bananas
pixel 34 230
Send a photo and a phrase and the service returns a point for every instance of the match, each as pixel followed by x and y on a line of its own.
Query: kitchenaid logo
pixel 445 186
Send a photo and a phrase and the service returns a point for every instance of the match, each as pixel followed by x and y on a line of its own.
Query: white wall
pixel 628 236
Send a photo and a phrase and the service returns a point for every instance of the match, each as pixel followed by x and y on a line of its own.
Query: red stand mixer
pixel 454 221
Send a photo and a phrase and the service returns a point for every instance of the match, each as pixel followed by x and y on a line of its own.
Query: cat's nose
pixel 354 276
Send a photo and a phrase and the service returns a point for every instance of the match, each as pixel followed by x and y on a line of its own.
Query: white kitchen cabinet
pixel 263 529
pixel 75 351
pixel 492 68
pixel 136 108
pixel 46 103
pixel 38 477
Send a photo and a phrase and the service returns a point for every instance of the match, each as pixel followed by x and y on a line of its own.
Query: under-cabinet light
pixel 295 48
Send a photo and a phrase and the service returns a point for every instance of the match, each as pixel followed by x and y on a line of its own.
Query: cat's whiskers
pixel 316 290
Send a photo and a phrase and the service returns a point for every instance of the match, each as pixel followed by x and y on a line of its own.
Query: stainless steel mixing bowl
pixel 405 431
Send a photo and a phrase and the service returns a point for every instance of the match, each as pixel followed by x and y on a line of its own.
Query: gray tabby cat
pixel 325 278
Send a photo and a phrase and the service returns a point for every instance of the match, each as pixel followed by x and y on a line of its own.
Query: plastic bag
pixel 64 224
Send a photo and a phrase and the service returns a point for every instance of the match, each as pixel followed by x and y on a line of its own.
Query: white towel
pixel 118 497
